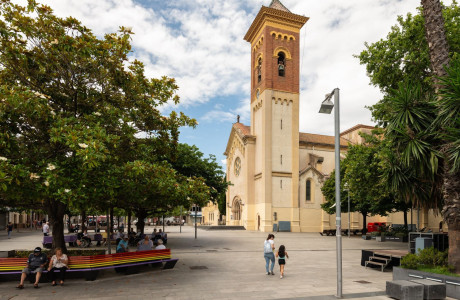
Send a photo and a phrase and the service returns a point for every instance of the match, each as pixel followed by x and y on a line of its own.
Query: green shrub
pixel 410 261
pixel 426 258
pixel 375 233
pixel 432 257
pixel 400 234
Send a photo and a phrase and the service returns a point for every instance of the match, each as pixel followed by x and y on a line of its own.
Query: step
pixel 375 263
pixel 379 258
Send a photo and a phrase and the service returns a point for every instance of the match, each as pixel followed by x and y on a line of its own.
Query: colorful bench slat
pixel 95 262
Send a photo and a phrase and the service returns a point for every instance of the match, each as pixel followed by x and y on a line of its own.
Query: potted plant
pixel 381 237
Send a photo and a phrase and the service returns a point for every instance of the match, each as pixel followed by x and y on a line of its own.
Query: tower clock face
pixel 237 166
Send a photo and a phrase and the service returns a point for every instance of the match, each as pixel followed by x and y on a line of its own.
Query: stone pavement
pixel 230 266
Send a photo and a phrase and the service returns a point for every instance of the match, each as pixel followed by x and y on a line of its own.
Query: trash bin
pixel 422 243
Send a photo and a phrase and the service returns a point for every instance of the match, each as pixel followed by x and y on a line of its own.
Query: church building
pixel 276 172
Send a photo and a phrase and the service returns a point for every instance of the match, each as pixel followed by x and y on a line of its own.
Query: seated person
pixel 160 245
pixel 123 245
pixel 35 264
pixel 104 238
pixel 145 244
pixel 58 262
pixel 163 236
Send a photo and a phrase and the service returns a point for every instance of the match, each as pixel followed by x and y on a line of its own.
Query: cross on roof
pixel 276 4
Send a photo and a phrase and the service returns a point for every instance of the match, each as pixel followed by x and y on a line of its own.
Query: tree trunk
pixel 83 220
pixel 364 223
pixel 111 219
pixel 141 215
pixel 451 215
pixel 129 221
pixel 405 219
pixel 436 36
pixel 56 211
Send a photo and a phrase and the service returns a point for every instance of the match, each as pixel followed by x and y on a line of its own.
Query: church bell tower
pixel 275 38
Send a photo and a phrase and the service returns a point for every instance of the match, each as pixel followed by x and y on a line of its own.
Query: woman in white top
pixel 269 247
pixel 59 262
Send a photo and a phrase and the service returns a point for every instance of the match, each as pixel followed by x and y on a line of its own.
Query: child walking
pixel 282 255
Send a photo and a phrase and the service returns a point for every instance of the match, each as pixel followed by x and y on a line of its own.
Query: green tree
pixel 361 171
pixel 420 110
pixel 71 107
pixel 190 161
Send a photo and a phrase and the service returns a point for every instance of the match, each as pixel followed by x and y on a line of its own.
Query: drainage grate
pixel 211 250
pixel 362 281
pixel 198 268
pixel 227 249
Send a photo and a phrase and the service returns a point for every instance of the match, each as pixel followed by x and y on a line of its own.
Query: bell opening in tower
pixel 281 64
pixel 259 70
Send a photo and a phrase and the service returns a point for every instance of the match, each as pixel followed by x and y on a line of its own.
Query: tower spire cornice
pixel 277 16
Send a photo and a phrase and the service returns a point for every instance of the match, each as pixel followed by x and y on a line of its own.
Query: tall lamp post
pixel 326 108
pixel 348 196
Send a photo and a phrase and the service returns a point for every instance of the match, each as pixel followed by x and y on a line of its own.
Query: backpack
pixel 267 247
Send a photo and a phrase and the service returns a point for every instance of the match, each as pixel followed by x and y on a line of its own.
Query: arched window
pixel 308 190
pixel 259 70
pixel 281 64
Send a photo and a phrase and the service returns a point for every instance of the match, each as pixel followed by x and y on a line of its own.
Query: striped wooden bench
pixel 94 263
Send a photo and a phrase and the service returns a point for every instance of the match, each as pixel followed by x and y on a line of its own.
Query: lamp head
pixel 326 106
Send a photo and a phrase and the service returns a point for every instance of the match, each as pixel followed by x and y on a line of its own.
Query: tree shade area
pixel 71 112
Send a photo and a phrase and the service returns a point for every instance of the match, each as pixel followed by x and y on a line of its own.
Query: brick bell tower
pixel 275 39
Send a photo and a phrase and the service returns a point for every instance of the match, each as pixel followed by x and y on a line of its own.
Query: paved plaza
pixel 231 266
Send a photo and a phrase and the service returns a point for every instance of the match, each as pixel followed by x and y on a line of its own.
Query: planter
pixel 366 237
pixel 452 282
pixel 380 238
pixel 397 239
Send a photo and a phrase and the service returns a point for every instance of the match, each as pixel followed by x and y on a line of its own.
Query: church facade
pixel 276 171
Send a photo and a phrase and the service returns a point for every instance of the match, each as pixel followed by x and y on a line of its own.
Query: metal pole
pixel 338 211
pixel 163 223
pixel 348 213
pixel 180 220
pixel 196 212
pixel 109 233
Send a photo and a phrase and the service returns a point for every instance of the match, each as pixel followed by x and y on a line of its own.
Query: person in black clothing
pixel 9 228
pixel 35 264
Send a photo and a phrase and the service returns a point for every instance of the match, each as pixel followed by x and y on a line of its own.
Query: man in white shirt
pixel 160 245
pixel 46 229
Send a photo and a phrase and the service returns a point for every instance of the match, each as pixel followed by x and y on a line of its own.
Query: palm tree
pixel 447 122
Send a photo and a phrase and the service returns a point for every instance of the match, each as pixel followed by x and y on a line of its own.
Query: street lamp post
pixel 348 196
pixel 326 108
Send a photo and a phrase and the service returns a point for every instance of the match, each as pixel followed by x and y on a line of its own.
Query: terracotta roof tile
pixel 356 127
pixel 320 139
pixel 245 130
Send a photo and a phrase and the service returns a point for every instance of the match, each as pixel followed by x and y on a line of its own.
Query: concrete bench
pixel 432 289
pixel 404 290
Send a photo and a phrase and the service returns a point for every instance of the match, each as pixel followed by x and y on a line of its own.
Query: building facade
pixel 276 171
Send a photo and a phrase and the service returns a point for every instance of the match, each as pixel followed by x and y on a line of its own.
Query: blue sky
pixel 200 43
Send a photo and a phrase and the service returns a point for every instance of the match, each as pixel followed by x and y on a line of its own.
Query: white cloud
pixel 200 43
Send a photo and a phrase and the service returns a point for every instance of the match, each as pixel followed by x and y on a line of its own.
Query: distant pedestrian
pixel 269 247
pixel 46 229
pixel 282 256
pixel 9 229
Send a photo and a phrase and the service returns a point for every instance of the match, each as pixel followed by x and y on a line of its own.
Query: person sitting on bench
pixel 145 244
pixel 58 262
pixel 160 245
pixel 35 264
